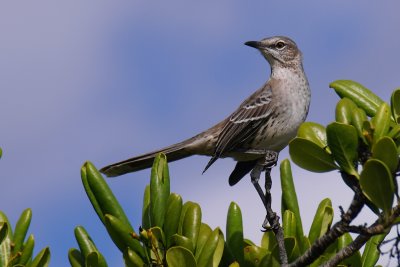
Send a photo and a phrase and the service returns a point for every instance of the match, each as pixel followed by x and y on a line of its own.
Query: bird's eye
pixel 280 45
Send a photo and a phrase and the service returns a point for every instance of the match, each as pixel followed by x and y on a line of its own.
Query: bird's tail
pixel 174 152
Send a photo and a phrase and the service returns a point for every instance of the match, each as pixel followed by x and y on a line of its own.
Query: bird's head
pixel 278 50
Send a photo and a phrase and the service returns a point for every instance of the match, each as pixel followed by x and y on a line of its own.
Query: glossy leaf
pixel 5 245
pixel 357 120
pixel 204 234
pixel 395 104
pixel 180 257
pixel 87 247
pixel 42 259
pixel 75 258
pixel 253 255
pixel 313 132
pixel 377 184
pixel 289 224
pixel 386 151
pixel 172 215
pixel 322 220
pixel 380 122
pixel 360 95
pixel 100 194
pixel 159 190
pixel 289 196
pixel 219 250
pixel 182 241
pixel 206 256
pixel 132 259
pixel 192 222
pixel 371 253
pixel 343 141
pixel 27 250
pixel 268 241
pixel 310 156
pixel 234 232
pixel 146 208
pixel 344 110
pixel 394 131
pixel 95 259
pixel 121 234
pixel 3 231
pixel 21 228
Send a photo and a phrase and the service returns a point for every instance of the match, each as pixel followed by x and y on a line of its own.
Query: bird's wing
pixel 244 123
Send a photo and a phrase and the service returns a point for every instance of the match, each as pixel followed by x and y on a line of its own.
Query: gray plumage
pixel 267 120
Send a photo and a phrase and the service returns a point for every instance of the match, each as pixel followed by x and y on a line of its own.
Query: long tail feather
pixel 174 152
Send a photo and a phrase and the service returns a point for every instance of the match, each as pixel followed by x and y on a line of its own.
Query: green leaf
pixel 355 259
pixel 360 95
pixel 322 220
pixel 3 231
pixel 377 184
pixel 132 259
pixel 219 250
pixel 27 250
pixel 313 132
pixel 310 156
pixel 182 241
pixel 5 245
pixel 253 255
pixel 266 260
pixel 206 256
pixel 395 104
pixel 234 232
pixel 344 110
pixel 394 132
pixel 100 194
pixel 371 253
pixel 42 259
pixel 146 208
pixel 180 257
pixel 122 235
pixel 88 249
pixel 21 229
pixel 159 190
pixel 268 240
pixel 289 224
pixel 192 222
pixel 204 234
pixel 343 141
pixel 289 196
pixel 358 118
pixel 171 221
pixel 381 122
pixel 95 259
pixel 75 258
pixel 386 151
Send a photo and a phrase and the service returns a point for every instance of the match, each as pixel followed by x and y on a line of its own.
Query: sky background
pixel 107 80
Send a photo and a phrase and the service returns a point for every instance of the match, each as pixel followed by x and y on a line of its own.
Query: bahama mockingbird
pixel 258 129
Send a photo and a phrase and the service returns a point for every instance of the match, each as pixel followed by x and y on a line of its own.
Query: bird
pixel 264 122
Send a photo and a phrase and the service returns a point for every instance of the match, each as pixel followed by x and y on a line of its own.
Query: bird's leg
pixel 264 164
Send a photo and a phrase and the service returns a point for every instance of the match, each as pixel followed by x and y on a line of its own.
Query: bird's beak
pixel 255 44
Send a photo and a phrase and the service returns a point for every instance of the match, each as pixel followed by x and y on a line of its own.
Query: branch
pixel 381 225
pixel 338 229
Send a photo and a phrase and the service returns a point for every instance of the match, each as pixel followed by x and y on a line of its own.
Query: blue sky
pixel 103 81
